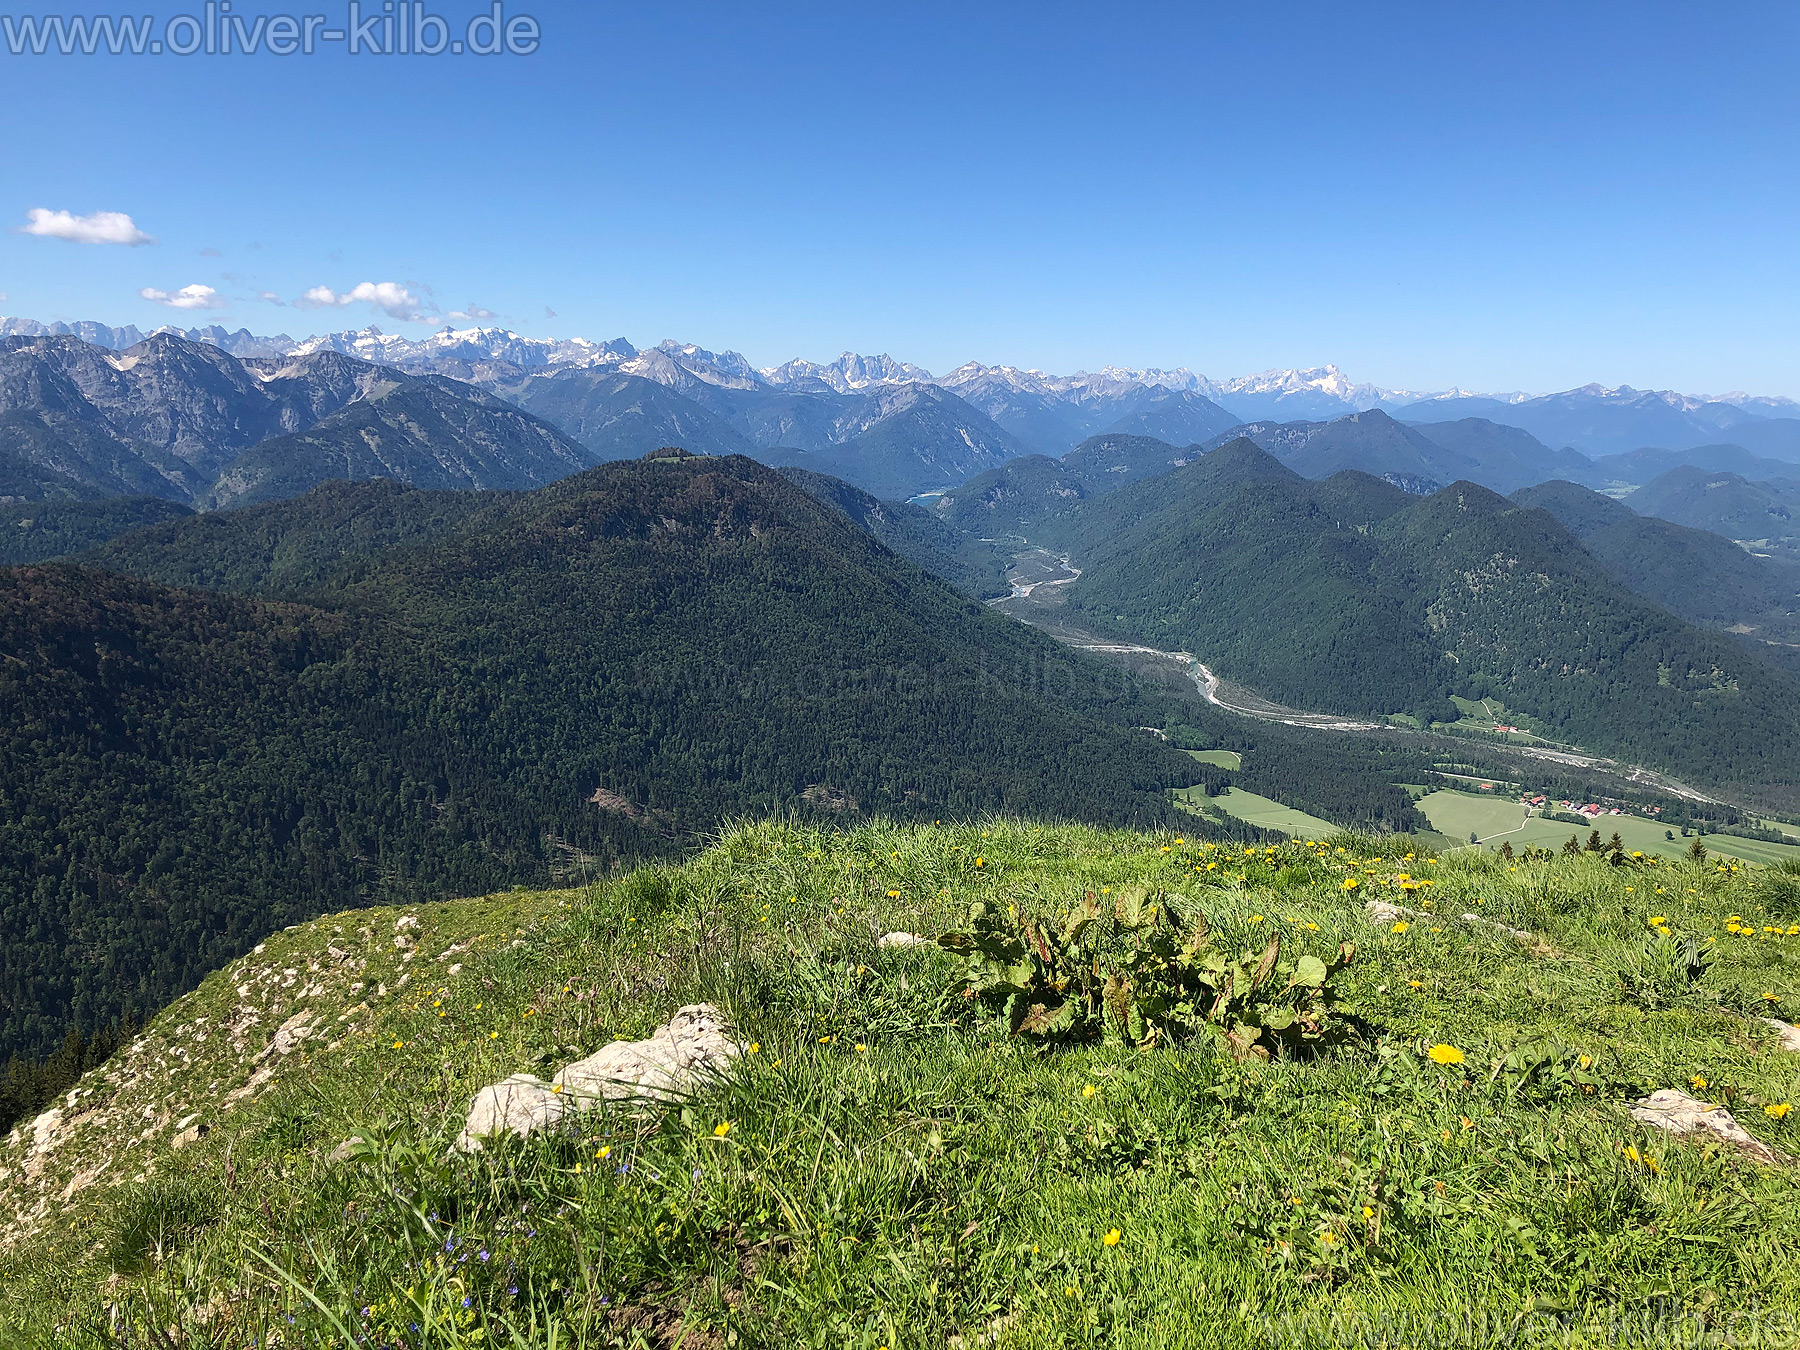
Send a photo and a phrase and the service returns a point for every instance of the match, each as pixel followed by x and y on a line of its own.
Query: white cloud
pixel 390 297
pixel 473 314
pixel 188 297
pixel 102 227
pixel 549 313
pixel 271 297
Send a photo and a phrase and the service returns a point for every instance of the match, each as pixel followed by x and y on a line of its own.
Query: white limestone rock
pixel 676 1058
pixel 518 1105
pixel 1678 1113
pixel 1787 1033
pixel 893 941
pixel 693 1047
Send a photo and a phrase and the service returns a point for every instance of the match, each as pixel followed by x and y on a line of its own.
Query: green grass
pixel 895 1171
pixel 1459 814
pixel 1224 759
pixel 1253 810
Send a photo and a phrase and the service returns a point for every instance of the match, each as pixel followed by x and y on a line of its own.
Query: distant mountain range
pixel 1045 413
pixel 186 421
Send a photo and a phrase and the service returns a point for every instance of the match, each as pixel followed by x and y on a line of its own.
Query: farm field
pixel 1224 759
pixel 1256 810
pixel 1498 820
pixel 1480 715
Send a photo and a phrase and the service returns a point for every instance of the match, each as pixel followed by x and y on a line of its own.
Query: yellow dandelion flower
pixel 1415 984
pixel 1445 1054
pixel 1351 883
pixel 722 1129
pixel 1776 1110
pixel 1400 927
pixel 1697 1082
pixel 605 1151
pixel 1112 1237
pixel 1089 1090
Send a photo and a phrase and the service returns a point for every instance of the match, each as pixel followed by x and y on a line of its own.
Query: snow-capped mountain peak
pixel 849 372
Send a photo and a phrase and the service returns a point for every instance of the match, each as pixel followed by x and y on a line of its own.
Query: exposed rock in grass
pixel 888 941
pixel 1385 912
pixel 1678 1113
pixel 675 1059
pixel 1788 1034
pixel 518 1105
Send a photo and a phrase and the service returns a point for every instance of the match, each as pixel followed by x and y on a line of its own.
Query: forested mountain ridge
pixel 892 440
pixel 1725 503
pixel 1700 575
pixel 31 531
pixel 1237 558
pixel 287 548
pixel 913 532
pixel 552 681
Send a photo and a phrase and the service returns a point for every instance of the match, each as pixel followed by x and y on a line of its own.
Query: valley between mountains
pixel 383 721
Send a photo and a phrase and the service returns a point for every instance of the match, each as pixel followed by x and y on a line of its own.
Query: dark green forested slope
pixel 182 773
pixel 1271 577
pixel 912 532
pixel 596 669
pixel 35 530
pixel 1014 498
pixel 287 547
pixel 1725 503
pixel 1700 575
pixel 739 644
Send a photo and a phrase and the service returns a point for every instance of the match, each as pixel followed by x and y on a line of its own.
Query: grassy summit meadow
pixel 1436 1152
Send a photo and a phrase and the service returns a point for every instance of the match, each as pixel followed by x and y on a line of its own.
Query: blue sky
pixel 1497 197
